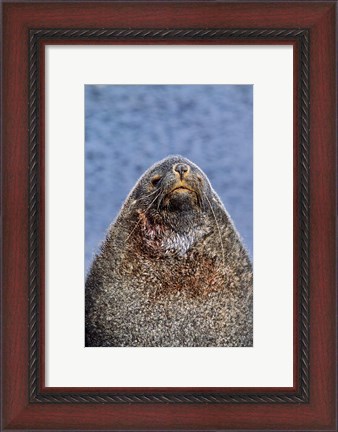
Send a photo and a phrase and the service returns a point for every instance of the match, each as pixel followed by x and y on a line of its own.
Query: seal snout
pixel 182 178
pixel 181 169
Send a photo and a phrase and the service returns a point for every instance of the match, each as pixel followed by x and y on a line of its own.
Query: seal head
pixel 170 202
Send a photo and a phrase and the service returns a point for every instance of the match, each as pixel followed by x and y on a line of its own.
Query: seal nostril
pixel 182 169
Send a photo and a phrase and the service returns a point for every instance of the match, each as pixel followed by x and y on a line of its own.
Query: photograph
pixel 175 249
pixel 168 215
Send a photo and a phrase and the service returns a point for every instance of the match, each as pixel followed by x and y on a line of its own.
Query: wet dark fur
pixel 172 270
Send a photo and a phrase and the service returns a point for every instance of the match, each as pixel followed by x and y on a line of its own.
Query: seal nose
pixel 182 169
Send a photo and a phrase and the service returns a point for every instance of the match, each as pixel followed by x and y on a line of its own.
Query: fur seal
pixel 172 270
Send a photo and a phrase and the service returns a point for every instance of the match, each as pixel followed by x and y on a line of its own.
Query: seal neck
pixel 168 238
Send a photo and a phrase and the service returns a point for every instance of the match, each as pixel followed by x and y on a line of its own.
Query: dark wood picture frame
pixel 27 403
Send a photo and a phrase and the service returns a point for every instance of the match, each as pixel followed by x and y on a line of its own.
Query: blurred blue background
pixel 130 127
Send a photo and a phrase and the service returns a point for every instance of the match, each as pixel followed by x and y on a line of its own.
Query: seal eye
pixel 155 180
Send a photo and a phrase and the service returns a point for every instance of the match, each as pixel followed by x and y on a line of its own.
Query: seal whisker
pixel 235 244
pixel 161 198
pixel 218 228
pixel 138 222
pixel 201 202
pixel 147 196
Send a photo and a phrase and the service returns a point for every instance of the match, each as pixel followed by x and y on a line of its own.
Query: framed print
pixel 168 201
pixel 158 100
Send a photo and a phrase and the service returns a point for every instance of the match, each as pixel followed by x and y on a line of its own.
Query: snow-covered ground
pixel 128 128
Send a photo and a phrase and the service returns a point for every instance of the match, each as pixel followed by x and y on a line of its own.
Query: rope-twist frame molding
pixel 106 35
